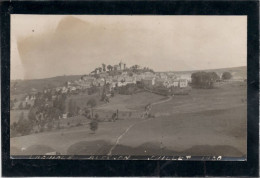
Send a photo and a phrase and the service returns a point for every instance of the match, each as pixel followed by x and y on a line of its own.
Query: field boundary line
pixel 164 101
pixel 120 136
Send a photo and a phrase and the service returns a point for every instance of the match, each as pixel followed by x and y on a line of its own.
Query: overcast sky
pixel 45 46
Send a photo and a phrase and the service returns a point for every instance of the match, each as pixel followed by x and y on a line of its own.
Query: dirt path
pixel 131 126
pixel 121 136
pixel 164 101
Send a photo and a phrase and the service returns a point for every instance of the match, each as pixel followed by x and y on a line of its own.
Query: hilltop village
pixel 117 76
pixel 116 79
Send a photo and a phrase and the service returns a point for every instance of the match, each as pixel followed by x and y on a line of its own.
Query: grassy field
pixel 131 102
pixel 15 114
pixel 82 99
pixel 211 122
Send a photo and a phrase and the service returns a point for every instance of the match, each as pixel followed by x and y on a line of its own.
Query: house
pixel 33 91
pixel 101 82
pixel 122 66
pixel 114 84
pixel 64 90
pixel 130 80
pixel 28 101
pixel 120 84
pixel 53 97
pixel 93 73
pixel 85 85
pixel 68 83
pixel 138 77
pixel 108 80
pixel 120 78
pixel 32 97
pixel 72 88
pixel 116 67
pixel 186 77
pixel 103 75
pixel 86 78
pixel 148 74
pixel 27 98
pixel 175 83
pixel 65 116
pixel 163 76
pixel 183 83
pixel 161 82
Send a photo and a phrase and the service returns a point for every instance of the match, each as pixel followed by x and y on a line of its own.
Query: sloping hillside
pixel 24 86
pixel 237 72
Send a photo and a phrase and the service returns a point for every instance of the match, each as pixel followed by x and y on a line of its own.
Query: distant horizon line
pixel 152 69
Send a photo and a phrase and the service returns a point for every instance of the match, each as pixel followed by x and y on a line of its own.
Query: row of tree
pixel 207 79
pixel 109 68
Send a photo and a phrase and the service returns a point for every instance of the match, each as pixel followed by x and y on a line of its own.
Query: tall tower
pixel 120 65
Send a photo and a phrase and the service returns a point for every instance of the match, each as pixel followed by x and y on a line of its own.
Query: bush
pixel 78 124
pixel 93 125
pixel 151 115
pixel 226 76
pixel 129 89
pixel 49 126
pixel 24 127
pixel 41 129
pixel 20 105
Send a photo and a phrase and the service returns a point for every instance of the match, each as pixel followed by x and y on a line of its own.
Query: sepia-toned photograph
pixel 128 85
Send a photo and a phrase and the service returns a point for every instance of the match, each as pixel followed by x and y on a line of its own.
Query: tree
pixel 86 113
pixel 204 79
pixel 109 67
pixel 112 93
pixel 104 67
pixel 103 95
pixel 72 108
pixel 96 116
pixel 213 76
pixel 20 105
pixel 113 117
pixel 92 103
pixel 32 116
pixel 226 76
pixel 96 76
pixel 59 103
pixel 24 127
pixel 93 125
pixel 130 74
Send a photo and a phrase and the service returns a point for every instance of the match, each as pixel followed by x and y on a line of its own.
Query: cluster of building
pixel 148 79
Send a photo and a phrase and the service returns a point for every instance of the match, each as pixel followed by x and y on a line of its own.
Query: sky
pixel 44 46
